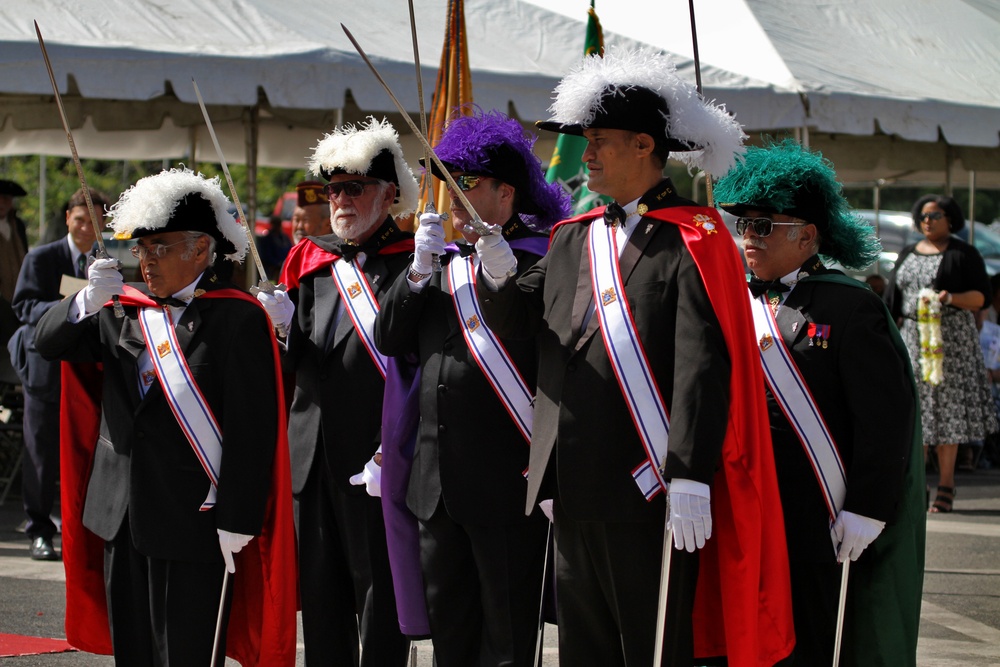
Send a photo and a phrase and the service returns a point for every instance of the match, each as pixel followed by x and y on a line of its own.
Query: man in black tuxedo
pixel 37 291
pixel 334 284
pixel 182 471
pixel 844 347
pixel 13 248
pixel 481 557
pixel 603 458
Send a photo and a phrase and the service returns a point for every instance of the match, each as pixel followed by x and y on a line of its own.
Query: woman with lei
pixel 938 285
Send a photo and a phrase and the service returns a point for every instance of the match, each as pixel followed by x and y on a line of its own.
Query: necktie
pixel 81 266
pixel 614 215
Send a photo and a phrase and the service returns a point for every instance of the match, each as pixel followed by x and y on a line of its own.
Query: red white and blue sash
pixel 189 406
pixel 486 348
pixel 793 396
pixel 628 358
pixel 360 303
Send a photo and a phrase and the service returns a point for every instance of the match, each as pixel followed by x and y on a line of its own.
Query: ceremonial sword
pixel 477 224
pixel 841 607
pixel 264 285
pixel 102 252
pixel 429 206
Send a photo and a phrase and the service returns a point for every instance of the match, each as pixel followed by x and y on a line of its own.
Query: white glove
pixel 690 514
pixel 546 507
pixel 370 478
pixel 231 543
pixel 854 533
pixel 104 280
pixel 497 257
pixel 279 308
pixel 427 242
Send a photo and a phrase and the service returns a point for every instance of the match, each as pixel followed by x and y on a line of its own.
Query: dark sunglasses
pixel 350 188
pixel 467 182
pixel 933 215
pixel 762 226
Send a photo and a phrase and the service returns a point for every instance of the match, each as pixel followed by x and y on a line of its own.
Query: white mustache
pixel 755 242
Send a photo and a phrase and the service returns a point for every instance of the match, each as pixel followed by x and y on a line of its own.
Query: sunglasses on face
pixel 157 250
pixel 350 188
pixel 762 226
pixel 467 182
pixel 933 215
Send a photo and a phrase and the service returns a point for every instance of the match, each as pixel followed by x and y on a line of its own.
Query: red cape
pixel 306 257
pixel 743 605
pixel 262 623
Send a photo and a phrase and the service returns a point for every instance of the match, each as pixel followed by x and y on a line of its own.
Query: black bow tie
pixel 466 249
pixel 758 286
pixel 614 215
pixel 349 251
pixel 169 301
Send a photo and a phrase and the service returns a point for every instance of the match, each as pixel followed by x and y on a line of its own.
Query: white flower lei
pixel 929 328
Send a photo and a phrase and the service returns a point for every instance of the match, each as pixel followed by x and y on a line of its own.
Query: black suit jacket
pixel 143 463
pixel 468 449
pixel 36 292
pixel 584 437
pixel 338 389
pixel 860 385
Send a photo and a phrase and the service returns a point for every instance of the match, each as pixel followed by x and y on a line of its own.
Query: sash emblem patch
pixel 472 323
pixel 706 222
pixel 766 342
pixel 163 349
pixel 608 296
pixel 354 290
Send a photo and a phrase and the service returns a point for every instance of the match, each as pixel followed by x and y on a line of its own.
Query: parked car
pixel 283 208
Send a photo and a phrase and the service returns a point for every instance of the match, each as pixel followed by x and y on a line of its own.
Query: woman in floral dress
pixel 949 277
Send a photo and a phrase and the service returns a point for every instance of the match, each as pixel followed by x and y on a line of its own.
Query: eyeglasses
pixel 933 215
pixel 157 250
pixel 467 182
pixel 350 188
pixel 762 226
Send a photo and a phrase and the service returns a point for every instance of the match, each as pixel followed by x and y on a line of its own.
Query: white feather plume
pixel 150 203
pixel 691 118
pixel 352 149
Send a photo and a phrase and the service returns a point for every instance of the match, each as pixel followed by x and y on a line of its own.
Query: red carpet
pixel 15 645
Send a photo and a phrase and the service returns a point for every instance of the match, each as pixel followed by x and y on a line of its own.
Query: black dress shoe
pixel 41 549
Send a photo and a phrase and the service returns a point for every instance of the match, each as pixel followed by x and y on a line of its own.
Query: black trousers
pixel 607 586
pixel 815 594
pixel 345 581
pixel 163 613
pixel 483 586
pixel 40 466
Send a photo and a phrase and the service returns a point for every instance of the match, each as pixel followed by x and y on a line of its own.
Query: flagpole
pixel 697 78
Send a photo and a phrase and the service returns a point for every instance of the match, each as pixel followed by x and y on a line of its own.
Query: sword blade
pixel 102 252
pixel 477 223
pixel 661 608
pixel 841 607
pixel 232 188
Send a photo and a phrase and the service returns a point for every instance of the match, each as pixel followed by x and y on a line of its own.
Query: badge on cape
pixel 706 222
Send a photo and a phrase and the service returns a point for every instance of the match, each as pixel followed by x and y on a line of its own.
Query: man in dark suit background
pixel 480 555
pixel 37 291
pixel 840 339
pixel 590 450
pixel 13 248
pixel 335 418
pixel 183 471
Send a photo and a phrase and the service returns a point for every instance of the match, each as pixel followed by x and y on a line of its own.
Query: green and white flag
pixel 566 167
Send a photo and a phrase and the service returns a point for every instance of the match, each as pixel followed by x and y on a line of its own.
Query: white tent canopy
pixel 899 89
pixel 283 70
pixel 923 75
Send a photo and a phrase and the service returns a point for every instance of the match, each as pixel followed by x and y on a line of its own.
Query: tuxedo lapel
pixel 132 343
pixel 326 300
pixel 791 323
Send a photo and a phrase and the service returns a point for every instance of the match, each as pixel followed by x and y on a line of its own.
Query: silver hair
pixel 793 234
pixel 192 238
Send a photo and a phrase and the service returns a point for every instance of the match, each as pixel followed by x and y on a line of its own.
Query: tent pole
pixel 972 206
pixel 42 183
pixel 949 157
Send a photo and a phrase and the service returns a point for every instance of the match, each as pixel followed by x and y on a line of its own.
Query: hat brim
pixel 740 209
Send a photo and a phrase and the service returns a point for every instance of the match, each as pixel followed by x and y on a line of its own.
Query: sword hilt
pixel 435 258
pixel 268 287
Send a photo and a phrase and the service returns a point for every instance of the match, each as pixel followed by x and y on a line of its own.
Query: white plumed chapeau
pixel 352 149
pixel 150 204
pixel 691 118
